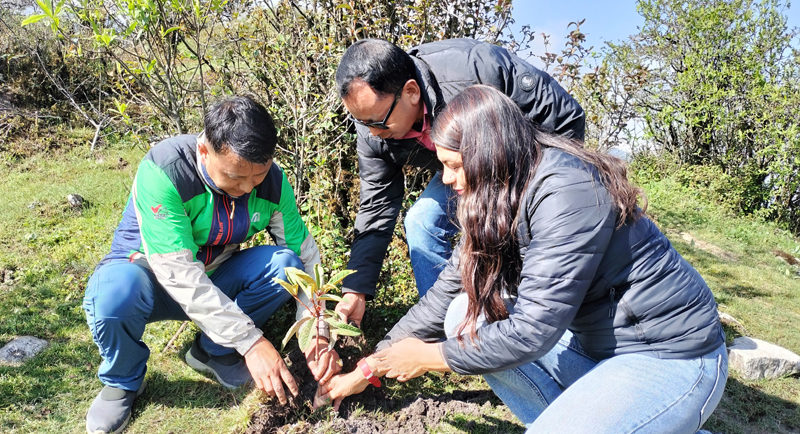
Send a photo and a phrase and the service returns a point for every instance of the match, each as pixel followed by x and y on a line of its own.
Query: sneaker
pixel 111 410
pixel 230 369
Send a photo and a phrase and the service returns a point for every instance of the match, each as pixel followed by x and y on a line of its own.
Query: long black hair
pixel 501 150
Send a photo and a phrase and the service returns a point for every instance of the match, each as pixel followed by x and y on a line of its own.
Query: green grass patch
pixel 735 256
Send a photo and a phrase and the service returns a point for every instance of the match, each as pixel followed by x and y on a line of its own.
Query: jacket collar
pixel 431 92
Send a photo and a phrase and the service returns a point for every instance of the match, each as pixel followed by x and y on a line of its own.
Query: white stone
pixel 75 200
pixel 755 359
pixel 21 349
pixel 728 320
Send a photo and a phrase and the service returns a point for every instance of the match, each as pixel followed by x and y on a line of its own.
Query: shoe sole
pixel 128 419
pixel 202 367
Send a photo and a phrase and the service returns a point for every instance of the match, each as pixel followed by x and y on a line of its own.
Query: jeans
pixel 122 297
pixel 567 392
pixel 430 227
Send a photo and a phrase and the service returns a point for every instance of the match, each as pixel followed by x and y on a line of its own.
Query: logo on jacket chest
pixel 159 212
pixel 256 217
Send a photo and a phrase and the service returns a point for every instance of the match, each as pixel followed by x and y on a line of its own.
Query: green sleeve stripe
pixel 163 223
pixel 294 228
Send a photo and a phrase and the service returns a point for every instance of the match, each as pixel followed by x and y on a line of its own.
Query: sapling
pixel 326 322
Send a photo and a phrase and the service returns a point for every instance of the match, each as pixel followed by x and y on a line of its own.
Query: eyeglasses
pixel 382 124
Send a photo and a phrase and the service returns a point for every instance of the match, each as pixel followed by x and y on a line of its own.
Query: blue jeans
pixel 568 392
pixel 122 297
pixel 430 226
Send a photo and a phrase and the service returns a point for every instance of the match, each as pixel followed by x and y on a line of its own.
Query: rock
pixel 21 349
pixel 755 359
pixel 75 200
pixel 7 276
pixel 729 320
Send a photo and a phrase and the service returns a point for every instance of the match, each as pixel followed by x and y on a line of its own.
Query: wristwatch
pixel 368 374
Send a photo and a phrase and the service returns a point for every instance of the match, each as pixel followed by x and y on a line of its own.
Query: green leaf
pixel 300 277
pixel 343 328
pixel 291 289
pixel 304 334
pixel 348 330
pixel 319 274
pixel 170 30
pixel 331 297
pixel 340 276
pixel 33 18
pixel 45 7
pixel 292 330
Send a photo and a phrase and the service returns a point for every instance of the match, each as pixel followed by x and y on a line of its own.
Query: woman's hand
pixel 328 364
pixel 340 387
pixel 409 359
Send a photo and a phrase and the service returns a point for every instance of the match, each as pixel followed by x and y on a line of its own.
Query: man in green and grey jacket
pixel 176 256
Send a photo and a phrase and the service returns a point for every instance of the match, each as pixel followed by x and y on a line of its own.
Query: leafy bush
pixel 713 83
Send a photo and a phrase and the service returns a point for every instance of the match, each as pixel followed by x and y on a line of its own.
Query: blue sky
pixel 606 20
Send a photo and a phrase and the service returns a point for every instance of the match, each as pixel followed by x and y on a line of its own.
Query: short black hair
pixel 382 65
pixel 243 126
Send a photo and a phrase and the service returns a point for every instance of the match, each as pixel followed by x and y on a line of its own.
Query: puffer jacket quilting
pixel 620 291
pixel 444 68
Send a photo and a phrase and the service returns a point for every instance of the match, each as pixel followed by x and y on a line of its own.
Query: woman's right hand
pixel 340 387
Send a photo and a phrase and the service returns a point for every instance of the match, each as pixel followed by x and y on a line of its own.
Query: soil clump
pixel 372 411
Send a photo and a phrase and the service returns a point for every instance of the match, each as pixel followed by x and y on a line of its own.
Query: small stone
pixel 75 200
pixel 34 204
pixel 21 349
pixel 729 320
pixel 417 408
pixel 755 359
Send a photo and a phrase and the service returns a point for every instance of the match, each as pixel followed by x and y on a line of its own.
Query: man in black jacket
pixel 393 97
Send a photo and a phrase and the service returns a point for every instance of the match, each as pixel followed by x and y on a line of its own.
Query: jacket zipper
pixel 636 325
pixel 611 308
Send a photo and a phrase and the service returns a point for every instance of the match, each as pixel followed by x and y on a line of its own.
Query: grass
pixel 52 249
pixel 750 283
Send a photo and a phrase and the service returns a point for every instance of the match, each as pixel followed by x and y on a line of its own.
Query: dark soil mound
pixel 372 411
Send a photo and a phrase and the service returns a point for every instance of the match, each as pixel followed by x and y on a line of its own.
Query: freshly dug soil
pixel 380 415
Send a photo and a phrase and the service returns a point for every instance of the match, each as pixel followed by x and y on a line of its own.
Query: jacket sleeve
pixel 425 320
pixel 571 219
pixel 288 230
pixel 170 250
pixel 382 187
pixel 539 96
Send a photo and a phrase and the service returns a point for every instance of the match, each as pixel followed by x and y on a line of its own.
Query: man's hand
pixel 328 364
pixel 269 371
pixel 353 307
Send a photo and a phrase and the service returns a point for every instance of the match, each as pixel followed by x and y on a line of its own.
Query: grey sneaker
pixel 111 410
pixel 229 369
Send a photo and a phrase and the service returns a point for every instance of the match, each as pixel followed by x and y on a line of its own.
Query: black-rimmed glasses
pixel 382 124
